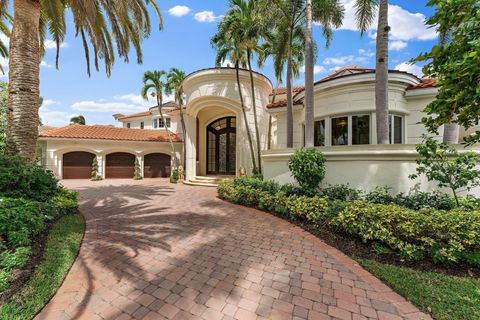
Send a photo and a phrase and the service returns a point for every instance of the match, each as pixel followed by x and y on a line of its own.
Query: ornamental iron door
pixel 221 146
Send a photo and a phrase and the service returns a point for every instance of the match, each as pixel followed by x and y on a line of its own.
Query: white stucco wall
pixel 212 94
pixel 363 167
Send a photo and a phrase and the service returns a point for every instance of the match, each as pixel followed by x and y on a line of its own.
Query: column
pixel 191 148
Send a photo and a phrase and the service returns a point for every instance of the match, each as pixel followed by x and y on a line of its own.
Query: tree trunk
pixel 269 134
pixel 381 75
pixel 24 82
pixel 247 128
pixel 309 108
pixel 254 104
pixel 160 107
pixel 289 100
pixel 184 133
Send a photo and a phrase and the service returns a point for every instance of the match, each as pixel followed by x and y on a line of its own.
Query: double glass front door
pixel 221 146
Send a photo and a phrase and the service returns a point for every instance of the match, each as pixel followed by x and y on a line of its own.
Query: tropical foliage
pixel 103 27
pixel 308 168
pixel 456 65
pixel 78 120
pixel 444 164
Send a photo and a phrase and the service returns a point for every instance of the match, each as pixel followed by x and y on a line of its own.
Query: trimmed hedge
pixel 443 236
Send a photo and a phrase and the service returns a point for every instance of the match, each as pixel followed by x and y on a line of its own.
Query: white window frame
pixel 129 125
pixel 142 125
pixel 392 127
pixel 162 125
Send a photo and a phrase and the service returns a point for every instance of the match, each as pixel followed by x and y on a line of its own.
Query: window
pixel 361 129
pixel 340 131
pixel 396 129
pixel 351 130
pixel 319 133
pixel 161 125
pixel 128 125
pixel 142 125
pixel 155 123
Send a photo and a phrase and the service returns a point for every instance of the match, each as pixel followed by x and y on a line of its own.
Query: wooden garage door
pixel 77 165
pixel 120 165
pixel 156 165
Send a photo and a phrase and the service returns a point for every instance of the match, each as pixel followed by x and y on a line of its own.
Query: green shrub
pixel 419 200
pixel 334 209
pixel 291 189
pixel 173 176
pixel 341 192
pixel 443 236
pixel 65 202
pixel 309 208
pixel 258 184
pixel 21 180
pixel 380 195
pixel 308 168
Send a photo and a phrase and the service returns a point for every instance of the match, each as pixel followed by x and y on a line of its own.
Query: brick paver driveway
pixel 154 250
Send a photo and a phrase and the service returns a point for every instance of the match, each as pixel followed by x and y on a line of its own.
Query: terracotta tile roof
pixel 135 115
pixel 283 90
pixel 426 83
pixel 282 103
pixel 108 133
pixel 347 70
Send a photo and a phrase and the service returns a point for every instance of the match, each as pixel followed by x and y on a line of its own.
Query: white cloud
pixel 206 16
pixel 316 69
pixel 366 53
pixel 45 64
pixel 55 118
pixel 5 40
pixel 51 44
pixel 345 60
pixel 49 102
pixel 397 45
pixel 179 11
pixel 404 25
pixel 410 68
pixel 227 63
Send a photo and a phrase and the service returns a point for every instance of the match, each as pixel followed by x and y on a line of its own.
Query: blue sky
pixel 185 43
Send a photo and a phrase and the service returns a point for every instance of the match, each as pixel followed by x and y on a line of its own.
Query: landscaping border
pixel 61 250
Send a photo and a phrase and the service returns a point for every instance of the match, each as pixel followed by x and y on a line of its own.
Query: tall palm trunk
pixel 381 75
pixel 254 104
pixel 24 82
pixel 160 111
pixel 247 128
pixel 269 134
pixel 289 100
pixel 309 111
pixel 184 133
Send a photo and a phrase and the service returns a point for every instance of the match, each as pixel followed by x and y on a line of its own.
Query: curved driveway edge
pixel 153 250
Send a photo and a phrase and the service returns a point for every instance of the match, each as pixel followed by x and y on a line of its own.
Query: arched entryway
pixel 120 165
pixel 221 146
pixel 77 165
pixel 156 165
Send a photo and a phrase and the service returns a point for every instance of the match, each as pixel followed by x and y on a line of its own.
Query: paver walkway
pixel 154 250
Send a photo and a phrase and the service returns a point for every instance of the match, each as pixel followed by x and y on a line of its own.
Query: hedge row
pixel 443 236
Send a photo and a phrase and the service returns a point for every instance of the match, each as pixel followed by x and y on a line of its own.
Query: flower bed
pixel 443 236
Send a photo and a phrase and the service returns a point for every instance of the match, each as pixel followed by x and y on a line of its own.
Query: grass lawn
pixel 61 250
pixel 445 297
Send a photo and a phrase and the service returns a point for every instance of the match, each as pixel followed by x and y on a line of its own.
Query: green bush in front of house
pixel 444 236
pixel 441 235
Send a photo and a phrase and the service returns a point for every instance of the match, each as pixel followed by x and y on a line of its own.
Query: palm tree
pixel 329 14
pixel 174 85
pixel 246 21
pixel 154 84
pixel 276 46
pixel 78 120
pixel 227 47
pixel 365 12
pixel 101 24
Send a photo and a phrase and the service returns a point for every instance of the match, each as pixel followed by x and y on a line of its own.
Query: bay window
pixel 351 130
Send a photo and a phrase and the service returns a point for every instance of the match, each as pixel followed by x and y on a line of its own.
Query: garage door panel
pixel 120 165
pixel 77 165
pixel 156 165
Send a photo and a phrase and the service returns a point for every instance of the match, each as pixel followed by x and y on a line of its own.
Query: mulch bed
pixel 21 276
